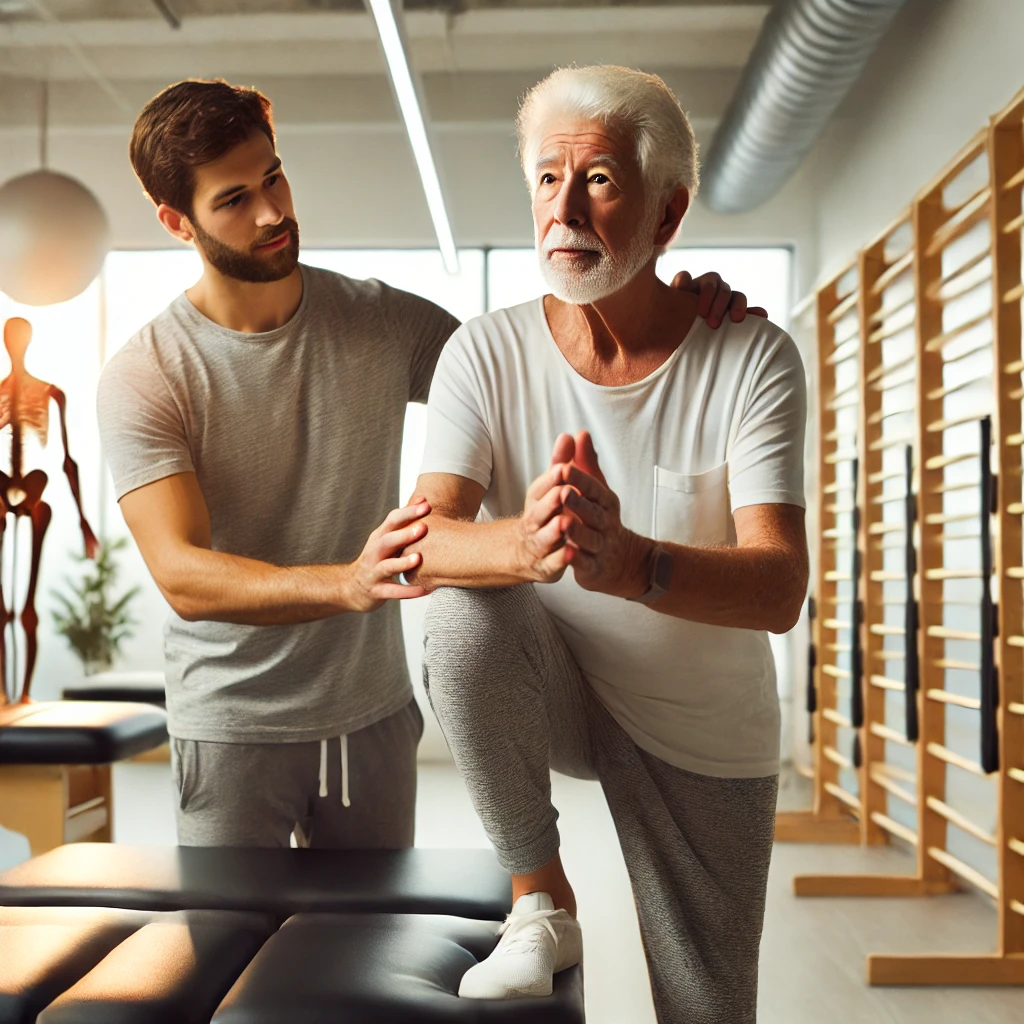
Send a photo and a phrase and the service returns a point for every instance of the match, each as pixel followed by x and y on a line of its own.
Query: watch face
pixel 663 571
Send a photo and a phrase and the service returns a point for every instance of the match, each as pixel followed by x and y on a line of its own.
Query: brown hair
pixel 189 124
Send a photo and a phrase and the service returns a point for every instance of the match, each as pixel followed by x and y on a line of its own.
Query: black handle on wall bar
pixel 989 679
pixel 912 668
pixel 856 653
pixel 812 662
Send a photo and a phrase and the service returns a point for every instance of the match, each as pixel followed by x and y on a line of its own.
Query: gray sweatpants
pixel 513 704
pixel 258 794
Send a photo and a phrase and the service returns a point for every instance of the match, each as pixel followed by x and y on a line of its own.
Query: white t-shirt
pixel 718 426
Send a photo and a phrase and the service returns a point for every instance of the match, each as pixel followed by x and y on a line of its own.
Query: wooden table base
pixel 807 827
pixel 950 969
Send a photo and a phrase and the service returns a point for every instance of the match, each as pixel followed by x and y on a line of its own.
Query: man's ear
pixel 175 223
pixel 672 217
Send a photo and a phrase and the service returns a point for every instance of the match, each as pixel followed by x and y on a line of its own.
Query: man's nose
pixel 570 208
pixel 269 213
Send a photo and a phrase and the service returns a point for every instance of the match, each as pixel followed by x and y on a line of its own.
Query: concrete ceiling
pixel 321 62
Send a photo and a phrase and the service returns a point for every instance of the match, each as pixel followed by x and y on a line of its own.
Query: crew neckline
pixel 643 382
pixel 186 306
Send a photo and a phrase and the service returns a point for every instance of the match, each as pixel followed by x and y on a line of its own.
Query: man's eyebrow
pixel 600 158
pixel 226 193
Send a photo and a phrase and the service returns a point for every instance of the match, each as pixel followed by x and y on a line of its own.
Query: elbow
pixel 786 613
pixel 179 596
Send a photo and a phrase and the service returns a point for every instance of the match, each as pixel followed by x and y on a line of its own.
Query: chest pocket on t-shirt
pixel 692 508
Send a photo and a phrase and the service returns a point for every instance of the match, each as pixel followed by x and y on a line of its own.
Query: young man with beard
pixel 254 432
pixel 647 666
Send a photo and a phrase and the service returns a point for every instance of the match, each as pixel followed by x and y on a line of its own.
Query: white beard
pixel 600 277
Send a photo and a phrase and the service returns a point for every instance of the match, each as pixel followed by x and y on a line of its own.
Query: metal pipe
pixel 808 55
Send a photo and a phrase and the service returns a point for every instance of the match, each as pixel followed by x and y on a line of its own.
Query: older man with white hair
pixel 647 666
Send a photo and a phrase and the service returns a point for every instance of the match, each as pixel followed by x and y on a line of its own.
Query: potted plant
pixel 93 620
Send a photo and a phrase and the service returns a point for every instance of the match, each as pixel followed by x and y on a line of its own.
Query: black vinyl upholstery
pixel 173 970
pixel 124 694
pixel 464 883
pixel 78 732
pixel 382 969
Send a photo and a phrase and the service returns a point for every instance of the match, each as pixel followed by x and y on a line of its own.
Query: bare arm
pixel 171 525
pixel 459 552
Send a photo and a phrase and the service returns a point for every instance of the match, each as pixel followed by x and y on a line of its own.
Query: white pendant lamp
pixel 54 234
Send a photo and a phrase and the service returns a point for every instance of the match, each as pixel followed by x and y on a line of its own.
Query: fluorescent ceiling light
pixel 412 113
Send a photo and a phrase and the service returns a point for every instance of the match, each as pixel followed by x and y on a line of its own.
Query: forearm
pixel 464 553
pixel 201 584
pixel 743 587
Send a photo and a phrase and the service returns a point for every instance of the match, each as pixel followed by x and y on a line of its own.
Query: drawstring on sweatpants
pixel 345 801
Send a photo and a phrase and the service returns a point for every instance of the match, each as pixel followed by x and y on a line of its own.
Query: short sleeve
pixel 766 457
pixel 141 426
pixel 425 327
pixel 458 434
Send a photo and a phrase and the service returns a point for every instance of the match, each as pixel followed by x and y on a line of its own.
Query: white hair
pixel 618 97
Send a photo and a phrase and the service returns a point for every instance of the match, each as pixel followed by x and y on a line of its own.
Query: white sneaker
pixel 536 943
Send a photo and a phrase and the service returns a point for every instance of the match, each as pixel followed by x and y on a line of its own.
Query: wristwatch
pixel 660 578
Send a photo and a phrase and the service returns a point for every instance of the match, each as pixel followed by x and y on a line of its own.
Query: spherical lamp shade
pixel 54 237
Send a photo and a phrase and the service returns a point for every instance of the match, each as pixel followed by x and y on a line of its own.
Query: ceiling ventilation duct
pixel 809 54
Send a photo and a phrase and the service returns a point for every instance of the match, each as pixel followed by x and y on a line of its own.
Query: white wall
pixel 938 76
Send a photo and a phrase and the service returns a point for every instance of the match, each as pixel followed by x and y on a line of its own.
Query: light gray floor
pixel 812 956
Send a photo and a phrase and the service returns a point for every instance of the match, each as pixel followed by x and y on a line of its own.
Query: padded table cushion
pixel 78 732
pixel 466 883
pixel 382 969
pixel 109 691
pixel 44 951
pixel 173 970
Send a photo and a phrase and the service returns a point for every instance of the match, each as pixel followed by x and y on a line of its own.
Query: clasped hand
pixel 572 517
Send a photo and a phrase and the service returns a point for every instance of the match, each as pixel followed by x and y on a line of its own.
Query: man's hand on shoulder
pixel 715 298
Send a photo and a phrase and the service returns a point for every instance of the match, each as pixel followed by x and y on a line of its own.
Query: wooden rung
pixel 837 534
pixel 888 499
pixel 965 871
pixel 940 341
pixel 1015 181
pixel 835 488
pixel 944 633
pixel 880 629
pixel 938 426
pixel 1014 225
pixel 836 718
pixel 1015 440
pixel 838 648
pixel 961 822
pixel 883 780
pixel 941 520
pixel 840 510
pixel 834 576
pixel 851 401
pixel 968 485
pixel 834 672
pixel 837 457
pixel 844 350
pixel 879 377
pixel 1015 508
pixel 884 821
pixel 1017 774
pixel 837 624
pixel 966 666
pixel 945 697
pixel 1017 366
pixel 935 290
pixel 947 755
pixel 894 771
pixel 878 528
pixel 952 389
pixel 835 757
pixel 1015 572
pixel 885 333
pixel 885 683
pixel 1017 907
pixel 885 733
pixel 884 576
pixel 947 538
pixel 880 478
pixel 963 218
pixel 885 443
pixel 1016 395
pixel 951 574
pixel 890 274
pixel 1014 294
pixel 1016 845
pixel 886 655
pixel 844 307
pixel 1014 708
pixel 880 417
pixel 840 794
pixel 1015 641
pixel 941 461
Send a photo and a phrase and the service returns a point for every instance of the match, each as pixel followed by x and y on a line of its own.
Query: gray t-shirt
pixel 295 436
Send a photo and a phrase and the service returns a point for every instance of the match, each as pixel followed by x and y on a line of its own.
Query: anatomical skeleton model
pixel 25 406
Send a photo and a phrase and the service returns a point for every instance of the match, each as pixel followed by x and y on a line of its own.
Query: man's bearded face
pixel 273 255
